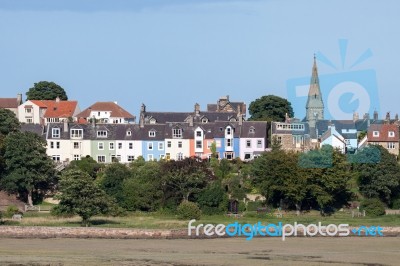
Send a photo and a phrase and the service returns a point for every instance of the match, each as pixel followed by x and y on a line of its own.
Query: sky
pixel 171 54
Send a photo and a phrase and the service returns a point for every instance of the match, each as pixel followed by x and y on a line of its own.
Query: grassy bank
pixel 169 221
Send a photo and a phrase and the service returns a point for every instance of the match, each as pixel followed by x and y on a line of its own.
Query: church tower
pixel 315 105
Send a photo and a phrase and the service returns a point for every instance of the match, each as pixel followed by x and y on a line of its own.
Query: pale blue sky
pixel 170 54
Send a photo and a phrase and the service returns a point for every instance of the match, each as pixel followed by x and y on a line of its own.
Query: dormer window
pixel 153 121
pixel 102 134
pixel 55 132
pixel 129 133
pixel 152 133
pixel 232 119
pixel 177 133
pixel 375 133
pixel 391 134
pixel 204 120
pixel 76 133
pixel 228 131
pixel 198 133
pixel 252 130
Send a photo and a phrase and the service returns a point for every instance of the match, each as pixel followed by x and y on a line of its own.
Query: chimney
pixel 355 116
pixel 190 120
pixel 143 108
pixel 240 116
pixel 366 116
pixel 387 118
pixel 19 98
pixel 396 117
pixel 57 99
pixel 65 125
pixel 375 115
pixel 287 118
pixel 197 109
pixel 93 121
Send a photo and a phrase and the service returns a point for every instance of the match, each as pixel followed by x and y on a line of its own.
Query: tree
pixel 112 181
pixel 280 179
pixel 270 108
pixel 8 122
pixel 378 173
pixel 45 90
pixel 29 171
pixel 87 165
pixel 80 195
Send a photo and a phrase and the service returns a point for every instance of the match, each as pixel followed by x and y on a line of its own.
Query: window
pixel 198 133
pixel 129 133
pixel 101 158
pixel 76 145
pixel 204 120
pixel 391 134
pixel 279 139
pixel 29 120
pixel 152 133
pixel 153 121
pixel 179 156
pixel 56 158
pixel 102 134
pixel 228 142
pixel 28 110
pixel 76 133
pixel 390 145
pixel 161 146
pixel 114 158
pixel 100 146
pixel 51 145
pixel 162 156
pixel 375 133
pixel 150 157
pixel 131 158
pixel 150 145
pixel 167 156
pixel 229 155
pixel 130 145
pixel 111 145
pixel 199 144
pixel 119 146
pixel 209 143
pixel 57 145
pixel 248 143
pixel 55 133
pixel 77 157
pixel 169 144
pixel 247 156
pixel 177 133
pixel 252 130
pixel 53 120
pixel 179 144
pixel 228 131
pixel 259 143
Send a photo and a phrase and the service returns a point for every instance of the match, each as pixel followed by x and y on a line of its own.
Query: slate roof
pixel 306 130
pixel 115 109
pixel 167 117
pixel 35 128
pixel 8 103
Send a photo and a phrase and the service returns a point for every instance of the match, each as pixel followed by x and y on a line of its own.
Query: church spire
pixel 315 105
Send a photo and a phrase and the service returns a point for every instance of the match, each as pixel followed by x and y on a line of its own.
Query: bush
pixel 11 210
pixel 396 204
pixel 188 210
pixel 254 205
pixel 373 207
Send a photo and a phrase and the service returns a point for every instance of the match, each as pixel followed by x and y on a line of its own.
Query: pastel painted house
pixel 227 140
pixel 253 139
pixel 153 141
pixel 200 144
pixel 178 141
pixel 128 143
pixel 334 138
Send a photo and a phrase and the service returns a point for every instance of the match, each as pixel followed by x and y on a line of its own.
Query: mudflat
pixel 222 251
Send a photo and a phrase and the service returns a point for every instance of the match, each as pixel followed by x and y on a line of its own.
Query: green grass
pixel 169 221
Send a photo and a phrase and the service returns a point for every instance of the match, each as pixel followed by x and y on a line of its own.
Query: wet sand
pixel 227 251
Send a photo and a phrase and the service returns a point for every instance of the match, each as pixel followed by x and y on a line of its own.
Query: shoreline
pixel 44 232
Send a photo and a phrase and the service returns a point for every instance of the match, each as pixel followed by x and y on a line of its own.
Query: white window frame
pixel 228 142
pixel 120 145
pixel 180 144
pixel 161 146
pixel 391 134
pixel 177 133
pixel 130 158
pixel 152 134
pixel 150 146
pixel 259 143
pixel 129 133
pixel 51 144
pixel 58 145
pixel 248 143
pixel 103 157
pixel 391 145
pixel 102 134
pixel 100 146
pixel 199 146
pixel 77 157
pixel 56 158
pixel 111 146
pixel 130 145
pixel 375 133
pixel 76 133
pixel 55 133
pixel 150 157
pixel 169 144
pixel 77 146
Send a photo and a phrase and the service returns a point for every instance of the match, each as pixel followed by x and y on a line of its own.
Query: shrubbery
pixel 11 210
pixel 396 204
pixel 188 210
pixel 373 207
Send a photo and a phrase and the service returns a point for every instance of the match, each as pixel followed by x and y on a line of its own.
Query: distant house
pixel 106 113
pixel 47 111
pixel 338 131
pixel 11 103
pixel 334 138
pixel 292 135
pixel 386 135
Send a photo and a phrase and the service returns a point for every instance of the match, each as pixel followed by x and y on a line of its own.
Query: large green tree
pixel 80 195
pixel 8 122
pixel 112 180
pixel 270 108
pixel 45 90
pixel 29 171
pixel 378 173
pixel 86 164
